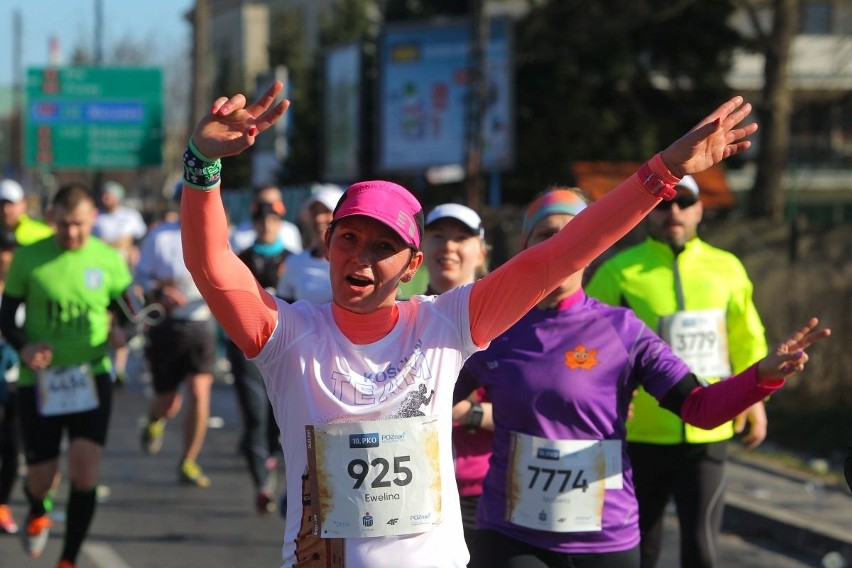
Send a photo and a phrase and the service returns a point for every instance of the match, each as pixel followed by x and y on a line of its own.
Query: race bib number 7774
pixel 559 485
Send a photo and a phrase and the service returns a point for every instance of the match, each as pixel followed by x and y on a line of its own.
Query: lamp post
pixel 202 74
pixel 99 33
pixel 17 139
pixel 477 93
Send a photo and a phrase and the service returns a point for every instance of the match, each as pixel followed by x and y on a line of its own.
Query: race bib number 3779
pixel 700 339
pixel 376 478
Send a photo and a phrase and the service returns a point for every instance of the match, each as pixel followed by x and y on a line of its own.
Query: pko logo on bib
pixel 547 454
pixel 366 440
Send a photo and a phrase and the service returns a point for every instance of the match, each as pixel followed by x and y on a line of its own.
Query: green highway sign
pixel 94 117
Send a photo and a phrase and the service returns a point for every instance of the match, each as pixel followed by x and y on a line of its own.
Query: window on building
pixel 815 18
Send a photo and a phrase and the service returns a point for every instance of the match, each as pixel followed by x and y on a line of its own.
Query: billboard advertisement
pixel 342 112
pixel 424 90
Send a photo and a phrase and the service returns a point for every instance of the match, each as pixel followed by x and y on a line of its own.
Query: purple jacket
pixel 569 374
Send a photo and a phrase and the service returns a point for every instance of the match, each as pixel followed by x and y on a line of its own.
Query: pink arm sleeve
pixel 245 311
pixel 712 406
pixel 502 297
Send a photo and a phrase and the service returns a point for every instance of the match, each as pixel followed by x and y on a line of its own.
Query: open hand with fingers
pixel 232 125
pixel 718 136
pixel 790 357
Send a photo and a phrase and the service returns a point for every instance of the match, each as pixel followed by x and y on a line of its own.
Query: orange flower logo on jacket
pixel 581 358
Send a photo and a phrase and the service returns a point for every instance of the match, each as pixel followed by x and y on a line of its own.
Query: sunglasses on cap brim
pixel 682 201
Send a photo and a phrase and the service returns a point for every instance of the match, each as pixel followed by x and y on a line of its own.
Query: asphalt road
pixel 146 520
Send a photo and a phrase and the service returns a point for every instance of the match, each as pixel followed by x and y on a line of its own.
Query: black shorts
pixel 492 548
pixel 176 349
pixel 42 435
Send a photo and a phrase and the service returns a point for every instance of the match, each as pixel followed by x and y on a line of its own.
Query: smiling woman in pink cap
pixel 362 387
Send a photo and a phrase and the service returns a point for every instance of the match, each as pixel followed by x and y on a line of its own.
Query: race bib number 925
pixel 376 478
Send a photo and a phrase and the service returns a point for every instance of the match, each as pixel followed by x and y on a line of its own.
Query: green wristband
pixel 198 153
pixel 199 171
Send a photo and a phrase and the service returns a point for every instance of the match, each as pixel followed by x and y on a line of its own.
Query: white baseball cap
pixel 467 216
pixel 10 190
pixel 326 193
pixel 689 183
pixel 114 188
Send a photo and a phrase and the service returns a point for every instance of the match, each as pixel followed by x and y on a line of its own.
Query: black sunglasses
pixel 682 201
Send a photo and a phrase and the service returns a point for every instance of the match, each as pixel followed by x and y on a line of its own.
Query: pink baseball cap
pixel 387 202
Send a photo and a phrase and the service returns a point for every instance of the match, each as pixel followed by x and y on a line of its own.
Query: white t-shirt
pixel 306 278
pixel 161 259
pixel 244 235
pixel 110 226
pixel 315 375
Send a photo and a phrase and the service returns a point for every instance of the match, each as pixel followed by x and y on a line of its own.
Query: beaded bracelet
pixel 199 171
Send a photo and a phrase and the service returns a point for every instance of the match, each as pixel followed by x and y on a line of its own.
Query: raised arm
pixel 242 307
pixel 708 407
pixel 506 294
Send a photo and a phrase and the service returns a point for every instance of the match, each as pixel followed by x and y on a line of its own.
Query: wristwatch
pixel 474 417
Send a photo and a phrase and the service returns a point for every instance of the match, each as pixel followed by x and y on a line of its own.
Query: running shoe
pixel 190 473
pixel 264 503
pixel 7 522
pixel 120 379
pixel 65 564
pixel 152 436
pixel 35 536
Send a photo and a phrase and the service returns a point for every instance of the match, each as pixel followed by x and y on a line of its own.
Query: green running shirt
pixel 67 294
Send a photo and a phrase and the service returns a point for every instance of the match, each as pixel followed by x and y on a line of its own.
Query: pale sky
pixel 158 24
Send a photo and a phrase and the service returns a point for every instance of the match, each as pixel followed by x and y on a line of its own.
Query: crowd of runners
pixel 527 416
